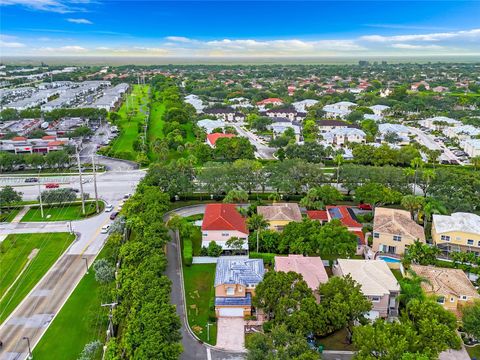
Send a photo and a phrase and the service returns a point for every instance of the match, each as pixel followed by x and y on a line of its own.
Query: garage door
pixel 231 312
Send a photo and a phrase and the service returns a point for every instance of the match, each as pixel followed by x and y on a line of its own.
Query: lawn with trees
pixel 64 212
pixel 19 275
pixel 130 120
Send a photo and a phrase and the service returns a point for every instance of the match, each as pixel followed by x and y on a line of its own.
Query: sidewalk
pixel 20 215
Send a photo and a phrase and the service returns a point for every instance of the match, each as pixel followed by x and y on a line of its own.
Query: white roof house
pixel 379 109
pixel 462 132
pixel 374 276
pixel 341 136
pixel 373 117
pixel 339 109
pixel 472 147
pixel 302 106
pixel 401 130
pixel 196 102
pixel 209 125
pixel 460 221
pixel 439 122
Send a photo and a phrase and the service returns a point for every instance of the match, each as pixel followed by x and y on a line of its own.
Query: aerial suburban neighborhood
pixel 239 197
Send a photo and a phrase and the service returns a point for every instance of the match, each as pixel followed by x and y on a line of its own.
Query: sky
pixel 236 29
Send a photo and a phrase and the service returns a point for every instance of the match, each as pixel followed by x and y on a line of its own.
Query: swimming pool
pixel 389 259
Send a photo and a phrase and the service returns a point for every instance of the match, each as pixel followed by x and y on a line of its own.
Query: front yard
pixel 199 294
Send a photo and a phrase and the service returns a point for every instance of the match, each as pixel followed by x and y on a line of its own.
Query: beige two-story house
pixel 377 282
pixel 394 230
pixel 235 283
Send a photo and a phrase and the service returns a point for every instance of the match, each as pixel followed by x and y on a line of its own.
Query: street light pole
pixel 86 263
pixel 208 331
pixel 30 356
pixel 95 183
pixel 81 180
pixel 40 193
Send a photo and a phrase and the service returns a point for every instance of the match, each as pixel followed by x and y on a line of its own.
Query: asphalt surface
pixel 32 317
pixel 263 151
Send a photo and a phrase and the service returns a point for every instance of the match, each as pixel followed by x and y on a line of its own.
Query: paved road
pixel 193 349
pixel 38 309
pixel 263 151
pixel 111 185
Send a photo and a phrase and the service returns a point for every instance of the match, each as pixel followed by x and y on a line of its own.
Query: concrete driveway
pixel 231 333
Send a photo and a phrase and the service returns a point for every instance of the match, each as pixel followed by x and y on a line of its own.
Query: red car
pixel 365 207
pixel 52 186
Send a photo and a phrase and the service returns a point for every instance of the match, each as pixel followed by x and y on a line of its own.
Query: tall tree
pixel 258 223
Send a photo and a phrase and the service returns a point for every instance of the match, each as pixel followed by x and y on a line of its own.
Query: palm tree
pixel 416 163
pixel 338 160
pixel 431 207
pixel 413 204
pixel 258 223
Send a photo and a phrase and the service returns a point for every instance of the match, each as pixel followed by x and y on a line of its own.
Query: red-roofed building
pixel 320 215
pixel 49 137
pixel 347 217
pixel 212 138
pixel 19 138
pixel 271 101
pixel 222 222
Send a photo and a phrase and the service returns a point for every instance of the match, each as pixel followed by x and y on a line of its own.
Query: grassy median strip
pixel 199 293
pixel 80 321
pixel 8 215
pixel 61 212
pixel 43 249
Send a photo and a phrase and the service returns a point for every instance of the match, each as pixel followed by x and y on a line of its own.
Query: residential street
pixel 32 317
pixel 263 151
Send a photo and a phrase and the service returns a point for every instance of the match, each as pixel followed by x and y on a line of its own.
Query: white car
pixel 105 229
pixel 108 208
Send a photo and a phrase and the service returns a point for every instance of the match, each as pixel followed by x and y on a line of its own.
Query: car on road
pixel 126 196
pixel 105 229
pixel 113 215
pixel 74 190
pixel 52 186
pixel 31 180
pixel 108 208
pixel 367 207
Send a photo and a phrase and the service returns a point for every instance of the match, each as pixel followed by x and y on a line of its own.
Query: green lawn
pixel 61 213
pixel 397 273
pixel 8 215
pixel 198 292
pixel 474 352
pixel 336 341
pixel 64 341
pixel 14 253
pixel 129 122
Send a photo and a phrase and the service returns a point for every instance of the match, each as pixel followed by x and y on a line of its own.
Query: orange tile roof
pixel 212 138
pixel 223 217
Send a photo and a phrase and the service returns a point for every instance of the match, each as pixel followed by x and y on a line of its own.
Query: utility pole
pixel 30 356
pixel 86 263
pixel 208 331
pixel 40 192
pixel 81 180
pixel 95 183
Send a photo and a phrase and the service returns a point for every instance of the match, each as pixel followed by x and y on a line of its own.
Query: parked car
pixel 52 186
pixel 126 196
pixel 365 207
pixel 108 208
pixel 74 190
pixel 31 180
pixel 113 215
pixel 105 229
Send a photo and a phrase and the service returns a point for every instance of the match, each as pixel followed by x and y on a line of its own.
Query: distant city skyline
pixel 229 29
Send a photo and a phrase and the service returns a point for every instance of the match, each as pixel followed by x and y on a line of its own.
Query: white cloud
pixel 416 47
pixel 179 39
pixel 11 44
pixel 57 6
pixel 472 34
pixel 80 21
pixel 73 48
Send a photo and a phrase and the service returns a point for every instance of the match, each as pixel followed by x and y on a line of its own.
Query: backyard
pixel 132 115
pixel 63 341
pixel 19 274
pixel 199 293
pixel 62 212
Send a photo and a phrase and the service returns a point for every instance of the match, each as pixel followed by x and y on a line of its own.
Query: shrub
pixel 268 258
pixel 187 252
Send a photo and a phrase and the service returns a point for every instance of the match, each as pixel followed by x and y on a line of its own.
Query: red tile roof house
pixel 320 215
pixel 347 217
pixel 310 267
pixel 212 138
pixel 272 101
pixel 222 222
